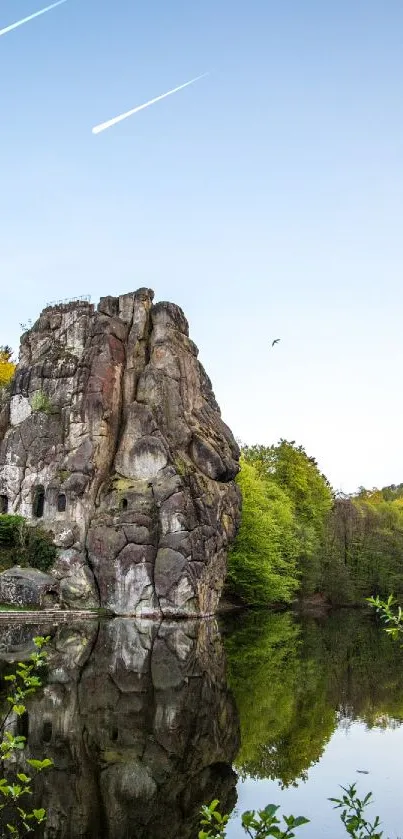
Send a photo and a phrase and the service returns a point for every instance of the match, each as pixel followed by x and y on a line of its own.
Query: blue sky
pixel 266 199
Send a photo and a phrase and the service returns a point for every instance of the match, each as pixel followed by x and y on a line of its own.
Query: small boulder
pixel 28 587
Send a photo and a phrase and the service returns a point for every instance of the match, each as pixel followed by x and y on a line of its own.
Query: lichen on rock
pixel 124 457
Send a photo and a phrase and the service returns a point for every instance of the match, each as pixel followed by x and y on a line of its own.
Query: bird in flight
pixel 276 340
pixel 110 122
pixel 30 17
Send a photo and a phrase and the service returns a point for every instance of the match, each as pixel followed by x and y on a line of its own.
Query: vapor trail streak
pixel 30 17
pixel 104 125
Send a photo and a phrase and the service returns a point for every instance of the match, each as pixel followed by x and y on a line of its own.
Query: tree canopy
pixel 263 563
pixel 298 538
pixel 285 503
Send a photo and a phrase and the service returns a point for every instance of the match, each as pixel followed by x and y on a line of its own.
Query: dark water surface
pixel 146 721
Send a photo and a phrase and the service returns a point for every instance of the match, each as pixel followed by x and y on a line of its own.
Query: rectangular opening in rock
pixel 38 504
pixel 61 503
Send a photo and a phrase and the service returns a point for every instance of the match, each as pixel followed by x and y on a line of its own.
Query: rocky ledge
pixel 112 439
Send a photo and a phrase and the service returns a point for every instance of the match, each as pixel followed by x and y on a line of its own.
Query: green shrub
pixel 10 527
pixel 40 550
pixel 25 545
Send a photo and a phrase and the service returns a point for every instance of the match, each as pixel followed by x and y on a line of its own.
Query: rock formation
pixel 113 440
pixel 139 723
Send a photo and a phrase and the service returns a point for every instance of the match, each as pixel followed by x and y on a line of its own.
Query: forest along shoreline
pixel 302 544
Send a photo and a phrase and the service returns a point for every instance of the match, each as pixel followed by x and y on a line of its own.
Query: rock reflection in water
pixel 141 727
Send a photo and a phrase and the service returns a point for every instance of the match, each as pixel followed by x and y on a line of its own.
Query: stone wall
pixel 112 438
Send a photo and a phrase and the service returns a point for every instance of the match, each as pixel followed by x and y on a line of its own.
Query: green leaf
pixel 19 710
pixel 41 640
pixel 300 820
pixel 24 778
pixel 40 764
pixel 270 810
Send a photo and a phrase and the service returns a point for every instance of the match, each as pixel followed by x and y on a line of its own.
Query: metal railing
pixel 84 298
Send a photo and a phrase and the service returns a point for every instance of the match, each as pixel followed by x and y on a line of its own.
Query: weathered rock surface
pixel 141 727
pixel 112 438
pixel 28 587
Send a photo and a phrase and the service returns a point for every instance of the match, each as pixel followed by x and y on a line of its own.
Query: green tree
pixel 298 476
pixel 289 466
pixel 363 546
pixel 262 565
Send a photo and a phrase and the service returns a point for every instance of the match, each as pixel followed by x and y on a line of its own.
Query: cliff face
pixel 113 440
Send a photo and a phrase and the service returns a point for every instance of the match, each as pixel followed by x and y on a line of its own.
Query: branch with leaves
pixel 390 613
pixel 15 787
pixel 262 824
pixel 257 825
pixel 352 814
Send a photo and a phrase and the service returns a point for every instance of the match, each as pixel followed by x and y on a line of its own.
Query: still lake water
pixel 325 699
pixel 145 721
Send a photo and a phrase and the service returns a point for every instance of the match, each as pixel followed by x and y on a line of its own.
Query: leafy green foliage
pixel 212 818
pixel 262 824
pixel 262 564
pixel 297 538
pixel 16 786
pixel 265 823
pixel 257 825
pixel 363 547
pixel 390 614
pixel 23 544
pixel 353 816
pixel 298 475
pixel 285 504
pixel 10 529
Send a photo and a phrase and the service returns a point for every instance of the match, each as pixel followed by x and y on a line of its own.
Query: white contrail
pixel 30 17
pixel 104 125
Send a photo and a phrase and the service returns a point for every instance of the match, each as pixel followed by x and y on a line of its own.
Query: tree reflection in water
pixel 295 681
